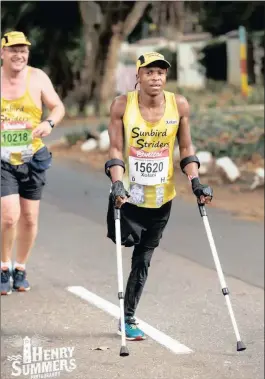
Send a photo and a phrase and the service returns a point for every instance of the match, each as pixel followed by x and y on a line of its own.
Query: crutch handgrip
pixel 202 209
pixel 117 213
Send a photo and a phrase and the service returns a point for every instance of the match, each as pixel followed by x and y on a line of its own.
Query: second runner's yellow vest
pixel 18 118
pixel 148 154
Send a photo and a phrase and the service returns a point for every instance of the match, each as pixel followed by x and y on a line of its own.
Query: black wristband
pixel 51 123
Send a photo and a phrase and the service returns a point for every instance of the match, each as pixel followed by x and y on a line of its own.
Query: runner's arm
pixel 115 130
pixel 50 98
pixel 186 148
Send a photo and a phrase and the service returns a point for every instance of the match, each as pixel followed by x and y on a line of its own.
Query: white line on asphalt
pixel 160 337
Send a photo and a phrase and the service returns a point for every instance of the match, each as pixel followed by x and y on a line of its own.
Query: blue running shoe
pixel 20 282
pixel 132 332
pixel 6 288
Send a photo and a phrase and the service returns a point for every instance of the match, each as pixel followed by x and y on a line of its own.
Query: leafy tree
pixel 105 26
pixel 78 42
pixel 220 17
pixel 54 33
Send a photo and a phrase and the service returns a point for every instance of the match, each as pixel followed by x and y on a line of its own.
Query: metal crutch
pixel 225 291
pixel 124 352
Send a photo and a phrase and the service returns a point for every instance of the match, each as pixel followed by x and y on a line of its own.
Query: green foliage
pixel 212 104
pixel 220 17
pixel 102 127
pixel 256 95
pixel 237 135
pixel 217 86
pixel 56 32
pixel 54 28
pixel 74 137
pixel 217 94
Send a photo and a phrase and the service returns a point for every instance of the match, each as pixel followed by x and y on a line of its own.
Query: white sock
pixel 21 265
pixel 7 264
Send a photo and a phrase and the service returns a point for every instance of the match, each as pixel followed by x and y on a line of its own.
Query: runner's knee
pixel 9 220
pixel 29 212
pixel 10 211
pixel 29 219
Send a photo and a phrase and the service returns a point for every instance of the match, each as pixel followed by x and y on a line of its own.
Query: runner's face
pixel 15 57
pixel 152 79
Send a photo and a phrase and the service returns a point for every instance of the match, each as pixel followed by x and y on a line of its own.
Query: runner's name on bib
pixel 17 134
pixel 148 168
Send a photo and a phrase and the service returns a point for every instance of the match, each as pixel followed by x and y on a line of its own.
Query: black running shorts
pixel 139 225
pixel 27 180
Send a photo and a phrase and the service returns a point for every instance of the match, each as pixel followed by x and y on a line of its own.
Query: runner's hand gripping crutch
pixel 124 352
pixel 225 291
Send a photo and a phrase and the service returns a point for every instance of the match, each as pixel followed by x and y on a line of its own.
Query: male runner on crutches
pixel 142 130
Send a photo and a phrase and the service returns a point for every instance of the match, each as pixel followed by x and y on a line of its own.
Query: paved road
pixel 182 297
pixel 240 244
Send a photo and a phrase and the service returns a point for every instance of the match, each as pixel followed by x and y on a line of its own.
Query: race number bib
pixel 148 168
pixel 16 137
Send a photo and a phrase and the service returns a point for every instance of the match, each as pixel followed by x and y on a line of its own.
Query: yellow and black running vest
pixel 148 155
pixel 18 118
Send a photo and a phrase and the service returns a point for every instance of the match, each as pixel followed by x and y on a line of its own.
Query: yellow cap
pixel 14 38
pixel 148 58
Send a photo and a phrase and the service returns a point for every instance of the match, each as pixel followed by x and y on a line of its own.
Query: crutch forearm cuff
pixel 111 163
pixel 187 160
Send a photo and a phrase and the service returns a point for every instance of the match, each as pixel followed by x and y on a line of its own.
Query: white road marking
pixel 160 337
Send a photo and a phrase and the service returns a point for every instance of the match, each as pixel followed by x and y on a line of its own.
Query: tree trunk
pixel 120 31
pixel 91 18
pixel 108 84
